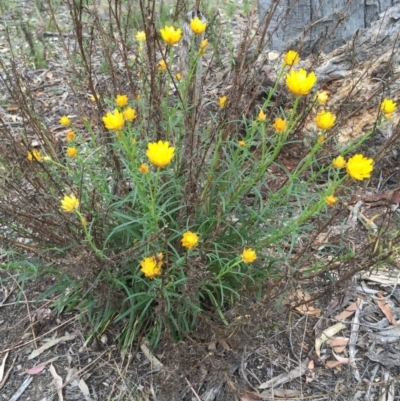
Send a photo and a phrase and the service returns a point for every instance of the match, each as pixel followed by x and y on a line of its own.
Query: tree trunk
pixel 315 25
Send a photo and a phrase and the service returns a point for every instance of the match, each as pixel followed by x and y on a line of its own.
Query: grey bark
pixel 315 25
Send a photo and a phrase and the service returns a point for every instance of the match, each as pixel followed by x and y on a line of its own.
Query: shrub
pixel 167 205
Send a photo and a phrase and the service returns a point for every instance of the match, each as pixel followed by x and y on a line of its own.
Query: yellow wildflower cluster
pixel 358 166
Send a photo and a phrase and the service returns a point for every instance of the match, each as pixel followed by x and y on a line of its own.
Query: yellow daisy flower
pixel 171 35
pixel 279 125
pixel 359 167
pixel 69 203
pixel 151 266
pixel 197 26
pixel 160 153
pixel 121 100
pixel 339 162
pixel 291 58
pixel 248 255
pixel 114 121
pixel 189 239
pixel 129 114
pixel 141 36
pixel 331 200
pixel 221 101
pixel 65 121
pixel 300 82
pixel 72 152
pixel 325 120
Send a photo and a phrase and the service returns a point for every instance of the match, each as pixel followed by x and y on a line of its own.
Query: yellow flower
pixel 170 35
pixel 151 266
pixel 242 143
pixel 197 26
pixel 141 36
pixel 300 82
pixel 72 152
pixel 339 162
pixel 69 203
pixel 261 116
pixel 144 168
pixel 121 100
pixel 162 65
pixel 84 222
pixel 331 200
pixel 222 101
pixel 65 121
pixel 291 58
pixel 114 121
pixel 248 255
pixel 321 139
pixel 325 120
pixel 388 106
pixel 160 153
pixel 322 97
pixel 178 76
pixel 129 114
pixel 70 136
pixel 359 167
pixel 279 125
pixel 34 155
pixel 189 239
pixel 203 46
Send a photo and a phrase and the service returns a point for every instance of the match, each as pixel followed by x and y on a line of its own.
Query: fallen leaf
pixel 308 308
pixel 385 308
pixel 348 311
pixel 281 393
pixel 286 376
pixel 35 370
pixel 50 344
pixel 156 364
pixel 58 382
pixel 3 365
pixel 343 360
pixel 338 343
pixel 326 335
pixel 310 374
pixel 84 388
pixel 333 364
pixel 41 365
